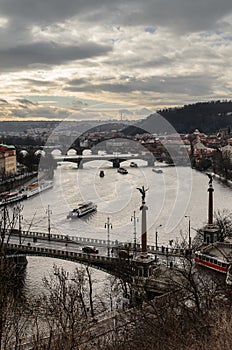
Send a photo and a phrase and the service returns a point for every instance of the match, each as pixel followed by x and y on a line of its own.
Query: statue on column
pixel 143 193
pixel 210 176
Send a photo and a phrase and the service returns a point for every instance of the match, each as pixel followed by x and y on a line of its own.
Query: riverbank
pixel 17 181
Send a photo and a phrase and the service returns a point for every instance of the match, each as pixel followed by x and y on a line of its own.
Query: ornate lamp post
pixel 49 212
pixel 134 219
pixel 189 231
pixel 108 225
pixel 156 237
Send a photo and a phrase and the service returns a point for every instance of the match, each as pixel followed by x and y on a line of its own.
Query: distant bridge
pixel 116 159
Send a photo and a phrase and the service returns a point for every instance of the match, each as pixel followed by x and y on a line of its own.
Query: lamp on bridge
pixel 109 226
pixel 49 212
pixel 156 240
pixel 189 231
pixel 20 218
pixel 134 219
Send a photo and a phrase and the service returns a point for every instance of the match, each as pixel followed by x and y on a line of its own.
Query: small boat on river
pixel 81 210
pixel 157 170
pixel 122 171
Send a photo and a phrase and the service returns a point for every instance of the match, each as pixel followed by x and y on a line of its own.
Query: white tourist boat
pixel 81 210
pixel 37 187
pixel 11 197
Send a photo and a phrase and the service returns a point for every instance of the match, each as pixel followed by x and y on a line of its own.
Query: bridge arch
pixel 57 152
pixel 71 152
pixel 103 263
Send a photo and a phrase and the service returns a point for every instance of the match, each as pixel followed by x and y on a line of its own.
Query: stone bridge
pixel 116 160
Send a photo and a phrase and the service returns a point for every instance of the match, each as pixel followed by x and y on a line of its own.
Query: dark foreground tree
pixel 182 319
pixel 13 316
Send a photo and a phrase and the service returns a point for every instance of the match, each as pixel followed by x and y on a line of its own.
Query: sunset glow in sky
pixel 105 59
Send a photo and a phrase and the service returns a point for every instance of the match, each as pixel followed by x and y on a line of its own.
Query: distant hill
pixel 22 126
pixel 208 117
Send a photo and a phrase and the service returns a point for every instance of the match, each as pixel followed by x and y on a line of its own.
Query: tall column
pixel 210 203
pixel 210 208
pixel 212 231
pixel 144 228
pixel 144 221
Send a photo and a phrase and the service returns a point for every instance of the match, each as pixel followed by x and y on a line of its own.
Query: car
pixel 90 250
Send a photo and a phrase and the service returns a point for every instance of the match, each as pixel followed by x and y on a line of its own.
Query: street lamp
pixel 134 219
pixel 49 212
pixel 156 237
pixel 156 241
pixel 20 217
pixel 108 225
pixel 189 231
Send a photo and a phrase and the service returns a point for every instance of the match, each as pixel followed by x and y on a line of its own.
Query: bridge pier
pixel 79 163
pixel 116 163
pixel 150 162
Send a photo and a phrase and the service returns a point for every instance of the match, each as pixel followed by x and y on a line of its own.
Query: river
pixel 170 196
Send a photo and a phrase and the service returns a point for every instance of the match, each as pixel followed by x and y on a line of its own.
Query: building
pixel 8 163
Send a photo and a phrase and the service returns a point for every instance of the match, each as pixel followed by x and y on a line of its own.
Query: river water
pixel 170 196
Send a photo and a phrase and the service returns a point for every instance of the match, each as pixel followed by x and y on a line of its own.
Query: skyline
pixel 87 60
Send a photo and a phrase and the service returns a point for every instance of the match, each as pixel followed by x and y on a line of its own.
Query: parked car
pixel 90 250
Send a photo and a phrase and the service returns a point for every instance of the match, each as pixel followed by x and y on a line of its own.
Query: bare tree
pixel 64 310
pixel 180 319
pixel 223 220
pixel 12 318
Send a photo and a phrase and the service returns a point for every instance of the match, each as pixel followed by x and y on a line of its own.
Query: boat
pixel 11 197
pixel 157 170
pixel 133 165
pixel 101 174
pixel 81 210
pixel 122 171
pixel 37 187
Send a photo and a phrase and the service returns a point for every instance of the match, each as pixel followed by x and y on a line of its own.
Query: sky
pixel 104 59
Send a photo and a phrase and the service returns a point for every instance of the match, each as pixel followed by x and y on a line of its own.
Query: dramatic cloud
pixel 130 55
pixel 37 54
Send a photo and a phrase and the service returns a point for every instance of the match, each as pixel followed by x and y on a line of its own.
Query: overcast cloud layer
pixel 61 58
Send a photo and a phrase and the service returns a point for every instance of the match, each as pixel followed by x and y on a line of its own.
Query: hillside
pixel 208 117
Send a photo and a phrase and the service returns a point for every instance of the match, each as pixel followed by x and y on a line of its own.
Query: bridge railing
pixel 65 238
pixel 27 249
pixel 100 242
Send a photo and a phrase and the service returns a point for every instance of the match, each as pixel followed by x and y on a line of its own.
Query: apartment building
pixel 8 163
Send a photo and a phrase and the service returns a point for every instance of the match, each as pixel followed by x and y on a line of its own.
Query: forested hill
pixel 208 117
